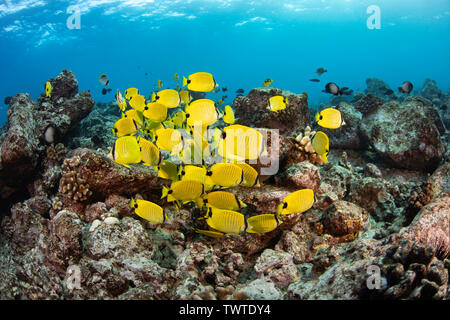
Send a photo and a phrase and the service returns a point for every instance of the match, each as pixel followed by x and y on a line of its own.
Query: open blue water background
pixel 241 42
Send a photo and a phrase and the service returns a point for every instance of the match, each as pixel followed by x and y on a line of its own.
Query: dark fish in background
pixel 406 87
pixel 146 74
pixel 224 89
pixel 105 91
pixel 332 88
pixel 320 71
pixel 389 92
pixel 216 90
pixel 347 93
pixel 240 91
pixel 314 80
pixel 8 100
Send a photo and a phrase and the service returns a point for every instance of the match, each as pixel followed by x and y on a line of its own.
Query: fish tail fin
pixel 317 117
pixel 279 209
pixel 153 96
pixel 199 202
pixel 287 101
pixel 165 192
pixel 132 202
pixel 184 81
pixel 242 204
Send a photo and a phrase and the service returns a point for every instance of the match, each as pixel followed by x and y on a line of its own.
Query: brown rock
pixel 252 110
pixel 342 218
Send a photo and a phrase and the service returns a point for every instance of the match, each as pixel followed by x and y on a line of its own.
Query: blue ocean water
pixel 137 42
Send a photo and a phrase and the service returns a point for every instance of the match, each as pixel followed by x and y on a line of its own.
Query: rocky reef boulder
pixel 347 136
pixel 404 135
pixel 252 110
pixel 378 88
pixel 31 126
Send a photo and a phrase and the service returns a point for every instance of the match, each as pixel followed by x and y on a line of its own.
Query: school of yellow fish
pixel 176 135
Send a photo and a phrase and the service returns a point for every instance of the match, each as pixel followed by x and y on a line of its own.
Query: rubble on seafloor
pixel 379 204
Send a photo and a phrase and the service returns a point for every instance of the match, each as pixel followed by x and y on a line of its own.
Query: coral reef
pixel 72 183
pixel 28 130
pixel 73 235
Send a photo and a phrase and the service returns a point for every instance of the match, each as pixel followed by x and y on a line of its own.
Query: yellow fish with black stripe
pixel 321 144
pixel 177 120
pixel 193 173
pixel 228 115
pixel 226 221
pixel 238 143
pixel 155 112
pixel 193 151
pixel 126 151
pixel 330 118
pixel 185 190
pixel 125 126
pixel 168 139
pixel 200 82
pixel 202 112
pixel 221 200
pixel 226 175
pixel 277 103
pixel 168 97
pixel 150 128
pixel 137 102
pixel 185 96
pixel 131 92
pixel 297 202
pixel 251 176
pixel 267 82
pixel 167 170
pixel 150 154
pixel 149 211
pixel 48 89
pixel 262 223
pixel 135 115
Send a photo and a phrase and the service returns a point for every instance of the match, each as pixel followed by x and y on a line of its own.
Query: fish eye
pixel 135 206
pixel 285 205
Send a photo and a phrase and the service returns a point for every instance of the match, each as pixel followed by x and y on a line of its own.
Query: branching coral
pixel 56 152
pixel 72 183
pixel 303 143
